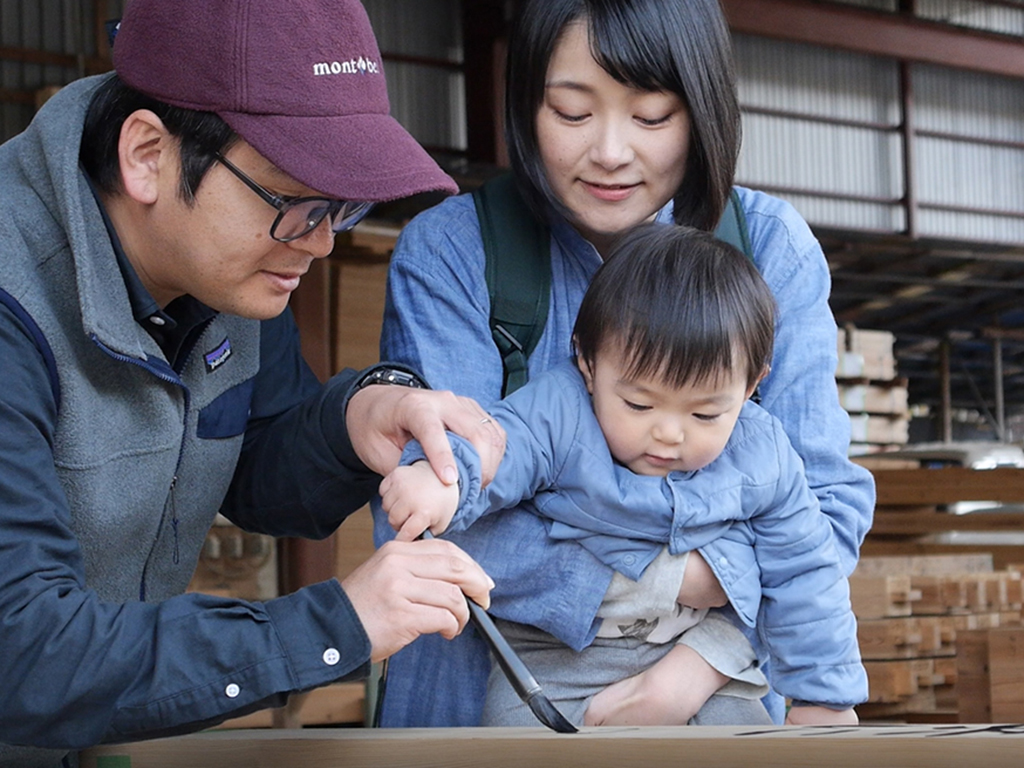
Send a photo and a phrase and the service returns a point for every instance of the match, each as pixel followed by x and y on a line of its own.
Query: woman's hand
pixel 700 587
pixel 381 419
pixel 669 693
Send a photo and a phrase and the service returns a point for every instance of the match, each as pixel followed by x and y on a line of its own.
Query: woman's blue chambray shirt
pixel 436 320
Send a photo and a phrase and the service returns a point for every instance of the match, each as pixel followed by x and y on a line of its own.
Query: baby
pixel 645 448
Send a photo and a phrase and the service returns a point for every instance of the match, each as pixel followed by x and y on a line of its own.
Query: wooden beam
pixel 484 53
pixel 304 561
pixel 920 746
pixel 948 485
pixel 14 96
pixel 921 523
pixel 92 65
pixel 877 33
pixel 1002 554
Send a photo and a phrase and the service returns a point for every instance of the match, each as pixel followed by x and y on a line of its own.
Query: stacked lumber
pixel 870 391
pixel 915 512
pixel 910 612
pixel 236 563
pixel 990 675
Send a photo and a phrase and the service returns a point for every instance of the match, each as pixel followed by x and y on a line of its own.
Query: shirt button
pixel 722 561
pixel 629 559
pixel 331 657
pixel 232 690
pixel 157 320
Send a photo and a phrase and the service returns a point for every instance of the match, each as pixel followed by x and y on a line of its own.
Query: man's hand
pixel 382 419
pixel 408 589
pixel 700 587
pixel 814 715
pixel 415 500
pixel 669 693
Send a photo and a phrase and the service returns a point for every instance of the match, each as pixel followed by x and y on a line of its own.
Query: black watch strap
pixel 390 375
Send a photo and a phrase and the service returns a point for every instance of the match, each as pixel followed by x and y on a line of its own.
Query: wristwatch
pixel 388 375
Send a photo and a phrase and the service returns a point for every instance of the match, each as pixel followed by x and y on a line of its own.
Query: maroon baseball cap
pixel 302 81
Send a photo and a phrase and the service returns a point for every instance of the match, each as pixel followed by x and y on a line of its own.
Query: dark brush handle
pixel 515 670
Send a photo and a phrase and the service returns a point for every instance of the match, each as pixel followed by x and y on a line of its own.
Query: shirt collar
pixel 170 326
pixel 569 237
pixel 144 307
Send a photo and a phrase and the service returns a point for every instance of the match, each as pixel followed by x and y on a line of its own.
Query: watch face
pixel 392 376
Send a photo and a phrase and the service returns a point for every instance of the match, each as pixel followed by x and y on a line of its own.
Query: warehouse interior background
pixel 896 127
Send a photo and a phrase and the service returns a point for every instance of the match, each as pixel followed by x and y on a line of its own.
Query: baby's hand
pixel 812 715
pixel 415 499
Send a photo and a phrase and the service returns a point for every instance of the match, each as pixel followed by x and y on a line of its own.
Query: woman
pixel 617 112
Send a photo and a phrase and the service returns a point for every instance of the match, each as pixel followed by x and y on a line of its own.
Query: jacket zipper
pixel 170 378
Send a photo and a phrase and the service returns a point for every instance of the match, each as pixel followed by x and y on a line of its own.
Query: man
pixel 154 226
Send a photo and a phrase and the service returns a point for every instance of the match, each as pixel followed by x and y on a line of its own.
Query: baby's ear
pixel 588 376
pixel 764 372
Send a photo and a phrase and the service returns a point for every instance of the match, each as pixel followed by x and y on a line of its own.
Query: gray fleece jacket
pixel 98 643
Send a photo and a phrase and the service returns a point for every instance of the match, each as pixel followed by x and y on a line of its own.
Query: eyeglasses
pixel 298 216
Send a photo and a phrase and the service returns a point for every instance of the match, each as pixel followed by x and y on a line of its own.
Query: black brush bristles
pixel 524 683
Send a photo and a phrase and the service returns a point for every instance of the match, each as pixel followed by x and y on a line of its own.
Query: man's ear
pixel 764 372
pixel 145 150
pixel 588 375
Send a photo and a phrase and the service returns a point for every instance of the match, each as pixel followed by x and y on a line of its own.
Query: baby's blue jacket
pixel 750 514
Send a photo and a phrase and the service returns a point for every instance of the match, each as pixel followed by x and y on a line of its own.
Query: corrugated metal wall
pixel 428 100
pixel 822 129
pixel 822 121
pixel 55 26
pixel 993 17
pixel 965 13
pixel 970 154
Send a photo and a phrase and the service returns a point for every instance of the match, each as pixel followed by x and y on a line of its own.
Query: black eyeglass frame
pixel 333 208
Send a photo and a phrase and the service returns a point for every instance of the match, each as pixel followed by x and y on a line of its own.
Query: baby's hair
pixel 682 305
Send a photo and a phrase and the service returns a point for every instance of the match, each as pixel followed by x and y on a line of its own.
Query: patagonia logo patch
pixel 216 357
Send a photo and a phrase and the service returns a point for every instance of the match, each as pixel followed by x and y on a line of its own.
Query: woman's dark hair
pixel 681 304
pixel 200 135
pixel 681 46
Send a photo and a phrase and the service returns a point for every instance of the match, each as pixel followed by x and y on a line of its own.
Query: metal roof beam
pixel 877 33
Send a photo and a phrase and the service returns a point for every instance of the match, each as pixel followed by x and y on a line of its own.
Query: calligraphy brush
pixel 524 683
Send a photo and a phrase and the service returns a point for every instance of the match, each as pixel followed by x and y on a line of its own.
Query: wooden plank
pixel 923 565
pixel 990 669
pixel 919 746
pixel 995 592
pixel 974 698
pixel 939 594
pixel 341 703
pixel 354 542
pixel 894 638
pixel 882 596
pixel 948 485
pixel 304 561
pixel 1001 554
pixel 923 523
pixel 891 681
pixel 924 701
pixel 359 307
pixel 1006 665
